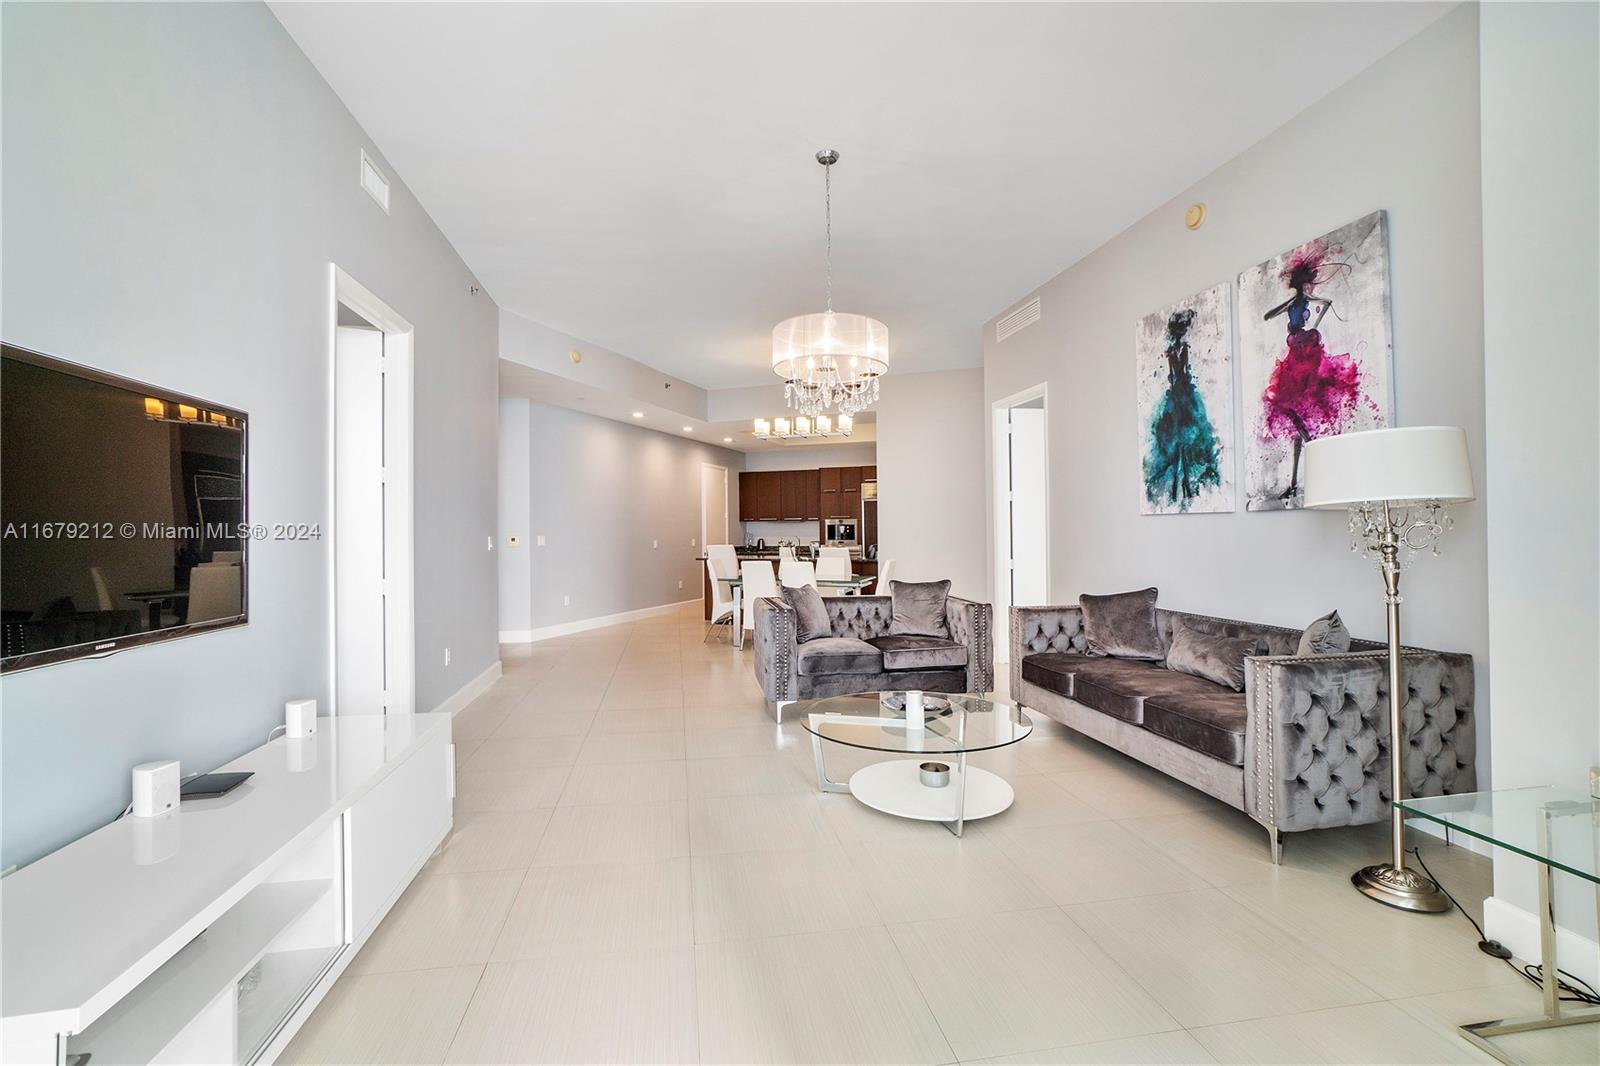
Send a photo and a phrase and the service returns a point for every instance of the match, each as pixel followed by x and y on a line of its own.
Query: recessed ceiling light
pixel 727 440
pixel 688 429
pixel 638 414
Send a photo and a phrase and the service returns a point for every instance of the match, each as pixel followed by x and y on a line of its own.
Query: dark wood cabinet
pixel 792 491
pixel 778 495
pixel 760 496
pixel 812 488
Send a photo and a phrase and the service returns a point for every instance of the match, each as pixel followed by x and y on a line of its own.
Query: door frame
pixel 1000 499
pixel 727 496
pixel 399 488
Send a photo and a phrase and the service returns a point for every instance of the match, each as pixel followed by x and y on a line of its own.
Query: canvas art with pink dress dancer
pixel 1315 353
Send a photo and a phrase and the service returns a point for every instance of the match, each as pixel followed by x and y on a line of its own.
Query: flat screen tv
pixel 122 512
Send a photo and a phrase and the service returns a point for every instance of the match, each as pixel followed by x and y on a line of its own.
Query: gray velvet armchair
pixel 862 656
pixel 1304 746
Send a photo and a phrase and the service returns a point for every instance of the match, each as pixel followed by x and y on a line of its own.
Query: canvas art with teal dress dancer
pixel 1184 359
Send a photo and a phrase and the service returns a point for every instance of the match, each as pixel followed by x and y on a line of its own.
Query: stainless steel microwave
pixel 838 531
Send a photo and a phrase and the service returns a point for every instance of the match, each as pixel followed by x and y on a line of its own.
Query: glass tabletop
pixel 1557 826
pixel 855 581
pixel 954 723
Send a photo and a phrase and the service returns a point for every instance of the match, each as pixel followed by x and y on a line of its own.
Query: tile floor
pixel 643 871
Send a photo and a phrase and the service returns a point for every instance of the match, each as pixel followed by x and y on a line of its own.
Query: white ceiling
pixel 532 383
pixel 641 175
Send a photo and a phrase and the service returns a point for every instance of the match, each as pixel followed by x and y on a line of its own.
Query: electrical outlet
pixel 680 584
pixel 655 544
pixel 447 656
pixel 566 601
pixel 540 542
pixel 692 541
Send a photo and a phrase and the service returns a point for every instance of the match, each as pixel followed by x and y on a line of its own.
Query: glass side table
pixel 1557 828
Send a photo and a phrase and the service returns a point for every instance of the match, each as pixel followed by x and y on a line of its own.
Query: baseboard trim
pixel 471 690
pixel 532 636
pixel 1518 930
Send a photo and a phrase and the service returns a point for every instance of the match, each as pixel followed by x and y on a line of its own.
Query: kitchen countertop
pixel 771 553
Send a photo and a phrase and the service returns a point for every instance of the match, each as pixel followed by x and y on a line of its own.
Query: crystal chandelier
pixel 831 358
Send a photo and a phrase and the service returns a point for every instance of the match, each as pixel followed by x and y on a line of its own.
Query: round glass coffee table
pixel 940 787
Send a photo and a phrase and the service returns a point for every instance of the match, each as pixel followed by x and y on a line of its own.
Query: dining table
pixel 853 585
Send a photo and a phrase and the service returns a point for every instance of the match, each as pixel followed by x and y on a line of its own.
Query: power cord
pixel 1579 991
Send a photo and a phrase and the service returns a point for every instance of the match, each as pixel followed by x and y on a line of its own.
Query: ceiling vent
pixel 374 182
pixel 1015 320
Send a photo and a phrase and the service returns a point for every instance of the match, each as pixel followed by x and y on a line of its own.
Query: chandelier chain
pixel 827 210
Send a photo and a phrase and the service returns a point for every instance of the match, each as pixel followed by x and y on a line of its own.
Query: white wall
pixel 1401 135
pixel 602 494
pixel 177 179
pixel 812 456
pixel 931 510
pixel 1540 88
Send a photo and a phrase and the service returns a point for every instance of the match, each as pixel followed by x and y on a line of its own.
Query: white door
pixel 1029 551
pixel 359 609
pixel 713 504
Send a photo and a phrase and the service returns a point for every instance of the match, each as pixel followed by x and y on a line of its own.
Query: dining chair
pixel 725 557
pixel 721 600
pixel 758 582
pixel 792 573
pixel 885 575
pixel 834 565
pixel 215 591
pixel 785 553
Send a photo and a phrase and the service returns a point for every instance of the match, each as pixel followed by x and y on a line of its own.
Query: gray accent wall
pixel 618 506
pixel 177 180
pixel 1401 135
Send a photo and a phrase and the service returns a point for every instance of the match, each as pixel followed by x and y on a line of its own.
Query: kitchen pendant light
pixel 830 358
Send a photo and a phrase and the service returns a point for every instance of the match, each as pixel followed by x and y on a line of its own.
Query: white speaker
pixel 300 719
pixel 155 788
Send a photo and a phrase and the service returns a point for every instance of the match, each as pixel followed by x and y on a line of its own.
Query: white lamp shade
pixel 1394 465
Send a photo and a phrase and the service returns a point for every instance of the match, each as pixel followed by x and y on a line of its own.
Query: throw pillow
pixel 811 617
pixel 1210 655
pixel 1326 636
pixel 1123 625
pixel 919 608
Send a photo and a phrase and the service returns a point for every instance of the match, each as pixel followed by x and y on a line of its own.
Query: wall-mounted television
pixel 122 512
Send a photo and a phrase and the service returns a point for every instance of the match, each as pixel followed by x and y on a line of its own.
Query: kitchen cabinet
pixel 799 501
pixel 760 496
pixel 778 495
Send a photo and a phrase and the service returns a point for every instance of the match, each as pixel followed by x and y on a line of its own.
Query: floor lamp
pixel 1398 485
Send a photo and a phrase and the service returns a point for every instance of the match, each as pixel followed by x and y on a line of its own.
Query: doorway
pixel 1021 500
pixel 713 505
pixel 371 602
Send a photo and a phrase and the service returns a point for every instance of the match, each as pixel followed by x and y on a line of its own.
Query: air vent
pixel 1019 319
pixel 374 182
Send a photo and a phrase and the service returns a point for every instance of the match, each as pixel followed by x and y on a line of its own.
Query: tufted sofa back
pixel 861 617
pixel 1060 629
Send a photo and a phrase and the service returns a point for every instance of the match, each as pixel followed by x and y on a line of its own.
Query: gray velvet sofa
pixel 862 656
pixel 1304 746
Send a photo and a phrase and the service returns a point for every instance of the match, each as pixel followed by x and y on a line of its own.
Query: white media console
pixel 208 934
